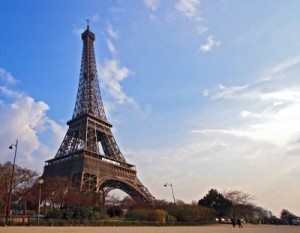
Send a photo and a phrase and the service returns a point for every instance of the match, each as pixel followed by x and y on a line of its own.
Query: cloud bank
pixel 26 119
pixel 252 146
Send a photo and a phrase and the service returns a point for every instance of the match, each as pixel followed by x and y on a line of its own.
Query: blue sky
pixel 203 94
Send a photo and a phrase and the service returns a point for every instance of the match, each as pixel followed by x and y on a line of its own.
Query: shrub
pixel 99 215
pixel 150 215
pixel 191 213
pixel 76 213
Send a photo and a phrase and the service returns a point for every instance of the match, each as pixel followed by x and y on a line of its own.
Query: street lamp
pixel 11 182
pixel 40 182
pixel 166 185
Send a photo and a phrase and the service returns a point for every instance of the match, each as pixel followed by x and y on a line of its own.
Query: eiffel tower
pixel 80 157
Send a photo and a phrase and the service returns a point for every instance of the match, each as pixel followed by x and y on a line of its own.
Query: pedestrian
pixel 239 222
pixel 233 222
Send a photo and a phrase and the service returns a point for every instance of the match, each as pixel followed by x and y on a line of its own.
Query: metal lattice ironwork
pixel 89 154
pixel 88 96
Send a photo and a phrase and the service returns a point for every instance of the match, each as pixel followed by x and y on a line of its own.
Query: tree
pixel 113 208
pixel 161 204
pixel 127 202
pixel 217 201
pixel 241 202
pixel 55 190
pixel 5 173
pixel 23 181
pixel 59 193
pixel 114 211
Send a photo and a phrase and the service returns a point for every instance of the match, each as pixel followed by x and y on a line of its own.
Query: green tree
pixel 217 201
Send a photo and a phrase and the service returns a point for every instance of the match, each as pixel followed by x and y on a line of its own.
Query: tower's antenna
pixel 88 24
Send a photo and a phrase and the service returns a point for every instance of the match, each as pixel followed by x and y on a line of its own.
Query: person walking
pixel 233 222
pixel 239 222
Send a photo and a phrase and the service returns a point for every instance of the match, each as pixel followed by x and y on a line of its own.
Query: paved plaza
pixel 224 228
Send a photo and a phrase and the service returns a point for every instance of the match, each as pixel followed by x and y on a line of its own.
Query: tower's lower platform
pixel 96 173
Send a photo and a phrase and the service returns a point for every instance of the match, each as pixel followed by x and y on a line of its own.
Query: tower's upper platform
pixel 88 34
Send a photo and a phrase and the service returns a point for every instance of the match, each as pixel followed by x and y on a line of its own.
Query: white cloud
pixel 246 114
pixel 95 17
pixel 112 75
pixel 286 65
pixel 201 29
pixel 152 4
pixel 10 93
pixel 25 119
pixel 6 76
pixel 111 47
pixel 78 31
pixel 262 143
pixel 225 92
pixel 209 44
pixel 262 88
pixel 287 94
pixel 114 34
pixel 268 107
pixel 280 68
pixel 153 17
pixel 220 159
pixel 189 9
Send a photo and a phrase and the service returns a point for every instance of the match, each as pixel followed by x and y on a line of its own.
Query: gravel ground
pixel 218 228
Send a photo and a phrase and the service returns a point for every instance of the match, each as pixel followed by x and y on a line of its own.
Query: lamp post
pixel 40 182
pixel 166 185
pixel 7 213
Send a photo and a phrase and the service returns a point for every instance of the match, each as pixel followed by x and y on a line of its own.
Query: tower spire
pixel 88 24
pixel 89 99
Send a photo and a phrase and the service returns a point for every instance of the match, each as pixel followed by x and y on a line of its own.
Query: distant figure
pixel 239 223
pixel 233 222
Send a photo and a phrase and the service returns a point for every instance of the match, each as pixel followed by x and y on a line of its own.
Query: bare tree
pixel 58 192
pixel 5 173
pixel 239 200
pixel 23 181
pixel 55 191
pixel 127 202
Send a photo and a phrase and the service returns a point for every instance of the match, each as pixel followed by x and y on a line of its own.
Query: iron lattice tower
pixel 79 157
